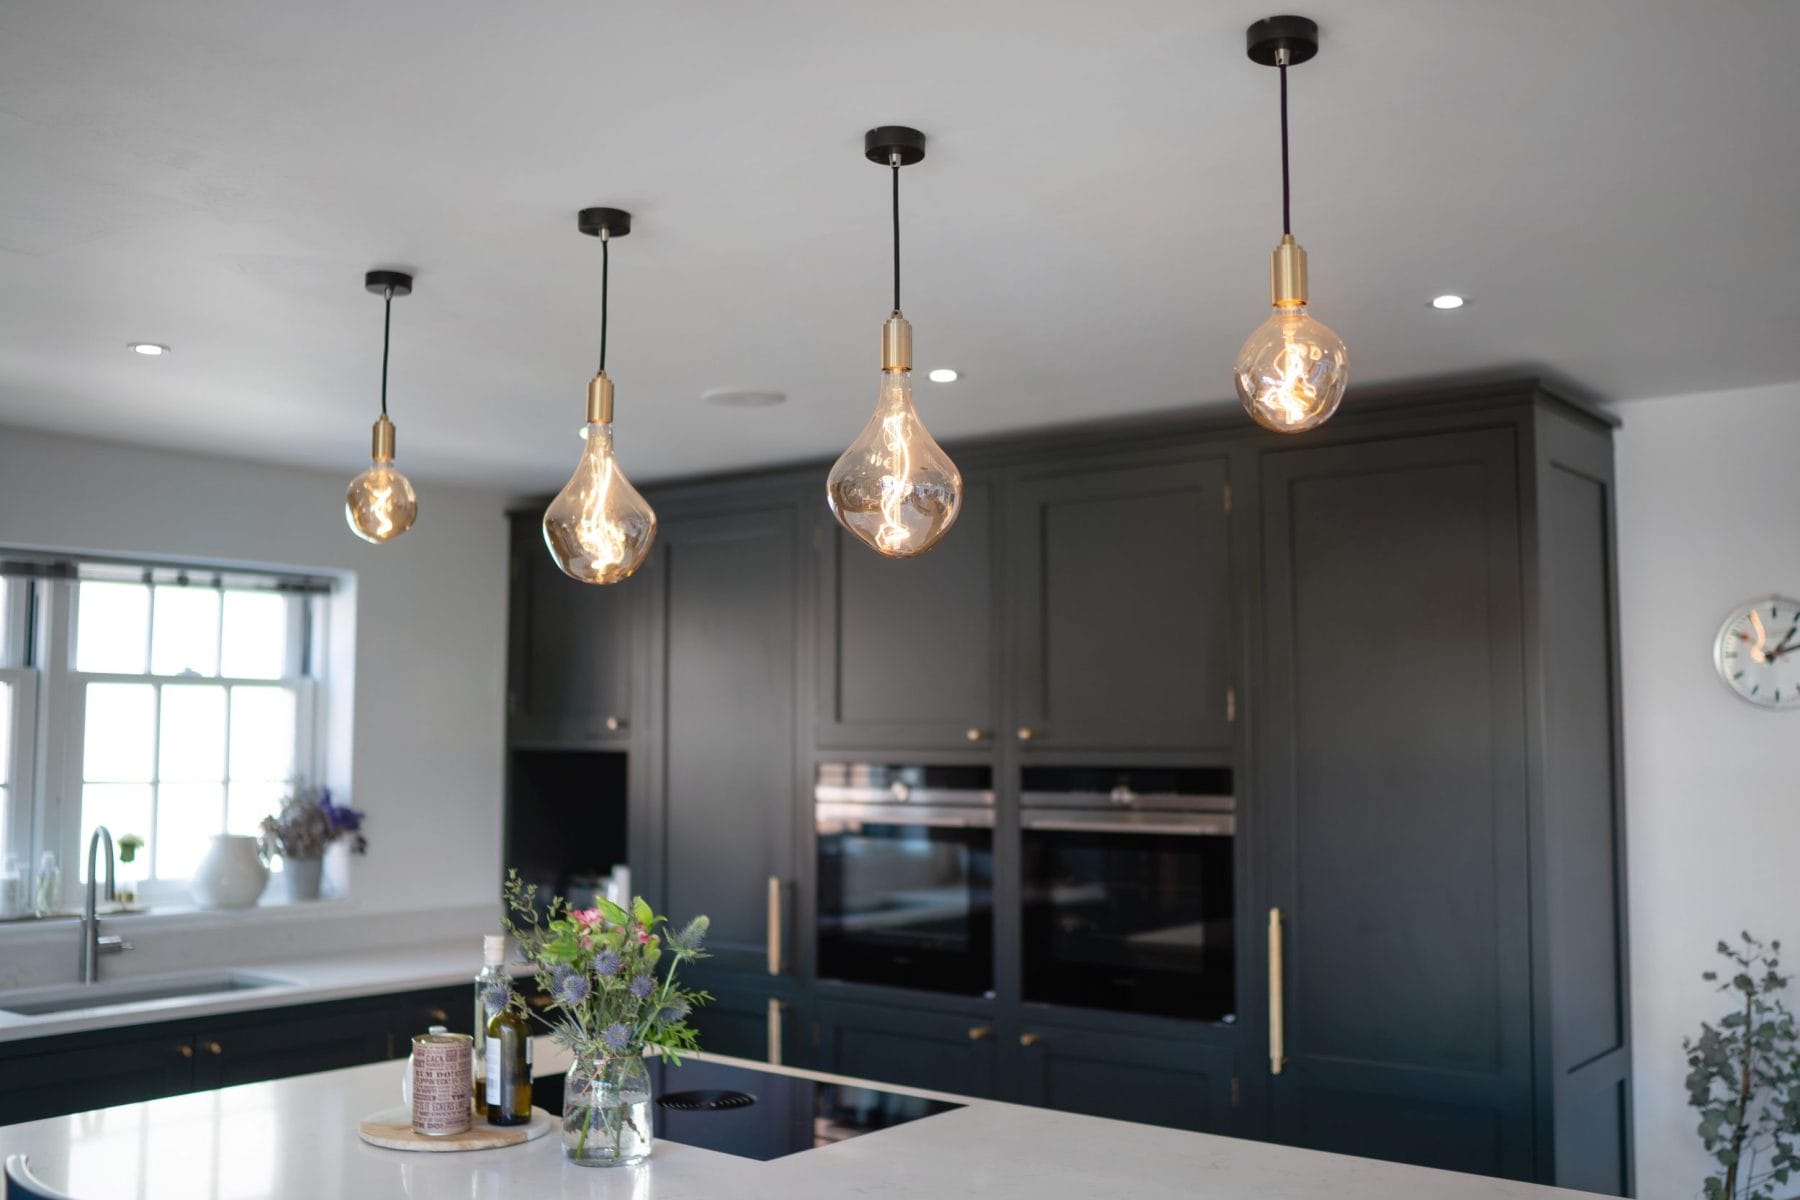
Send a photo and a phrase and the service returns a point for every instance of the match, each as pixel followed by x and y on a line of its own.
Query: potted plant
pixel 610 975
pixel 1744 1078
pixel 309 823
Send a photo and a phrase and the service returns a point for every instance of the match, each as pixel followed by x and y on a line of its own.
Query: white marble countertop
pixel 302 981
pixel 295 1139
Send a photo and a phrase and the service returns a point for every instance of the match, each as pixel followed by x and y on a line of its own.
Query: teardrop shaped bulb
pixel 1291 372
pixel 380 504
pixel 599 528
pixel 895 488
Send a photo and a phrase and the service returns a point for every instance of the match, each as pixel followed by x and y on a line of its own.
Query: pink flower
pixel 643 935
pixel 586 916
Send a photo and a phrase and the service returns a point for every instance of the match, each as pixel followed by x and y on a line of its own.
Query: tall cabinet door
pixel 730 618
pixel 1392 770
pixel 569 679
pixel 1119 599
pixel 908 657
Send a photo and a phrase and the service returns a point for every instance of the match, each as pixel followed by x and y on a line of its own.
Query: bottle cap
pixel 493 949
pixel 437 1029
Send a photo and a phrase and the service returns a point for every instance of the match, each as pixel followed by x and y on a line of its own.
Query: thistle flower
pixel 691 940
pixel 616 1036
pixel 673 1011
pixel 495 998
pixel 570 987
pixel 608 963
pixel 642 986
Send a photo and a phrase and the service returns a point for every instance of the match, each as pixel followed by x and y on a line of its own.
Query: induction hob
pixel 762 1115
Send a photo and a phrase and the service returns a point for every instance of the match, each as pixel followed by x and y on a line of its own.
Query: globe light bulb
pixel 599 528
pixel 380 504
pixel 1291 372
pixel 895 488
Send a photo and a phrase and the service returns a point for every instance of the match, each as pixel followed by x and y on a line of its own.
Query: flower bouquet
pixel 610 976
pixel 308 823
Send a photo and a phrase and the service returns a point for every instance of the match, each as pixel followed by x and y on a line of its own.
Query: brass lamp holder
pixel 895 146
pixel 1284 42
pixel 605 224
pixel 387 285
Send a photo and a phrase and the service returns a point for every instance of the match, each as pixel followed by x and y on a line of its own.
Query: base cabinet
pixel 946 1052
pixel 1154 1080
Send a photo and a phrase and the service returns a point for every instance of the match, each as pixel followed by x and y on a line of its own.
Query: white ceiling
pixel 1613 183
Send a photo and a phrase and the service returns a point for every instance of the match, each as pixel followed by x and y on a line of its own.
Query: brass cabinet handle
pixel 1030 1039
pixel 185 1050
pixel 975 735
pixel 774 924
pixel 776 1008
pixel 1277 1015
pixel 438 1016
pixel 614 724
pixel 980 1033
pixel 1026 733
pixel 214 1048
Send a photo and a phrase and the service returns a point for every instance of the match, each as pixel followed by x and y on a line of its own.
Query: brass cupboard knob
pixel 980 1033
pixel 1030 1039
pixel 614 724
pixel 1026 733
pixel 438 1016
pixel 975 735
pixel 186 1050
pixel 214 1048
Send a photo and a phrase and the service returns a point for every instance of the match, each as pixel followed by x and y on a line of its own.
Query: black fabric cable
pixel 1287 225
pixel 894 165
pixel 605 270
pixel 387 324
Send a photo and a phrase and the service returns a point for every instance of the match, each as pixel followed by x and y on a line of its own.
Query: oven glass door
pixel 906 904
pixel 1130 921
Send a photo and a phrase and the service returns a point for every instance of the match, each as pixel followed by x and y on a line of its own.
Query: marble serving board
pixel 391 1128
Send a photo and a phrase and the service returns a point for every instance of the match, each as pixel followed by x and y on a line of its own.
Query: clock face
pixel 1758 652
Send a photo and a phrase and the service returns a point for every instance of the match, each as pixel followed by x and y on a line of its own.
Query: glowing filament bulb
pixel 380 503
pixel 599 528
pixel 895 488
pixel 1291 371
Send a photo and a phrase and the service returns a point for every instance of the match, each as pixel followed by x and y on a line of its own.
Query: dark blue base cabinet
pixel 1395 636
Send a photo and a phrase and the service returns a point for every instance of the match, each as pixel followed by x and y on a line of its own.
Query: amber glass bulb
pixel 895 488
pixel 380 504
pixel 1291 372
pixel 599 528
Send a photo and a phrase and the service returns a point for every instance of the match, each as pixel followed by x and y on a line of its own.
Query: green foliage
pixel 610 974
pixel 1744 1078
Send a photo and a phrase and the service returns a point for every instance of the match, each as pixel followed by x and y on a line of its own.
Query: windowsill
pixel 151 918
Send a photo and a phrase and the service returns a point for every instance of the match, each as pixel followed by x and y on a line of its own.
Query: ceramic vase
pixel 232 874
pixel 302 877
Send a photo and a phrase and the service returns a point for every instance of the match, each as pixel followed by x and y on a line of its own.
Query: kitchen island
pixel 295 1139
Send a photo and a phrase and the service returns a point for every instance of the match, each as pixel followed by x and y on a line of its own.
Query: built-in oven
pixel 906 875
pixel 1128 889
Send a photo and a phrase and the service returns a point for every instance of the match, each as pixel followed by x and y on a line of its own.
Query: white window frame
pixel 53 806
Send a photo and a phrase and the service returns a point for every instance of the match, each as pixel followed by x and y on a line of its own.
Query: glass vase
pixel 606 1111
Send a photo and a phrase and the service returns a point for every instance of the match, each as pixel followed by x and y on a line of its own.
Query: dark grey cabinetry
pixel 569 675
pixel 1435 757
pixel 1119 606
pixel 1127 1076
pixel 945 1051
pixel 908 652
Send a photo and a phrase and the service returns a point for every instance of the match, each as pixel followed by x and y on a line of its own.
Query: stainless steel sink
pixel 37 1002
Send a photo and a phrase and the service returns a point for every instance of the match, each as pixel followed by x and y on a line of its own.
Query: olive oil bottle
pixel 492 988
pixel 506 1095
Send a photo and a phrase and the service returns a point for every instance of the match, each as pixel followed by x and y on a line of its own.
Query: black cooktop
pixel 758 1114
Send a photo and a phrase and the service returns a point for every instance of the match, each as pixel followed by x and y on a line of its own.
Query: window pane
pixel 250 803
pixel 255 643
pixel 262 733
pixel 186 638
pixel 123 808
pixel 193 734
pixel 113 627
pixel 187 815
pixel 5 796
pixel 121 733
pixel 6 736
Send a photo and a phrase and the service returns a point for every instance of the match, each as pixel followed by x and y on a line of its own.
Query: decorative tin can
pixel 442 1085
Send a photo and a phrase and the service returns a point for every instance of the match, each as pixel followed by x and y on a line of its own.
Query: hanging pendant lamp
pixel 895 489
pixel 380 504
pixel 600 528
pixel 1292 371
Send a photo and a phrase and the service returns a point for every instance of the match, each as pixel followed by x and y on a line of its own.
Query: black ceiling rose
pixel 881 144
pixel 380 281
pixel 614 222
pixel 1266 39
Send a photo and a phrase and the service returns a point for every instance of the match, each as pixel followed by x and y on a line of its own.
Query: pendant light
pixel 895 488
pixel 1291 372
pixel 380 504
pixel 599 528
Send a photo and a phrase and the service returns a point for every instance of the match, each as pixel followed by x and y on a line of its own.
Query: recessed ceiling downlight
pixel 943 375
pixel 744 398
pixel 148 349
pixel 1447 301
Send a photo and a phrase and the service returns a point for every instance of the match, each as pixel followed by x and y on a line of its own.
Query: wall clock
pixel 1758 652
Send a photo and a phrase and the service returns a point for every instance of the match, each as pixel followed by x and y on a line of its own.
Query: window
pixel 175 705
pixel 18 704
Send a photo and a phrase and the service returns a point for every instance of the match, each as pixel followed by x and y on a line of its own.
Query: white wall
pixel 430 629
pixel 1707 521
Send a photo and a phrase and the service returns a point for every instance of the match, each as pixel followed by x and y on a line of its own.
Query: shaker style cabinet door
pixel 908 656
pixel 729 619
pixel 1392 767
pixel 569 674
pixel 1128 1077
pixel 1119 598
pixel 939 1051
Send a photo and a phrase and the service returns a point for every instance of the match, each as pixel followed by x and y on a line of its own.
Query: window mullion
pixel 156 778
